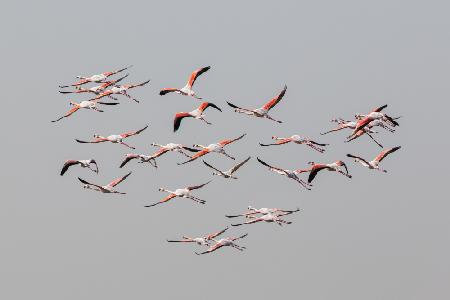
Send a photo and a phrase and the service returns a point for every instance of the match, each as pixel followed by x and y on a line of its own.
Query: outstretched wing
pixel 211 167
pixel 213 235
pixel 314 170
pixel 69 113
pixel 190 149
pixel 226 142
pixel 88 183
pixel 118 180
pixel 237 107
pixel 128 158
pixel 359 158
pixel 97 140
pixel 163 200
pixel 236 167
pixel 378 109
pixel 196 74
pixel 274 101
pixel 197 186
pixel 68 164
pixel 168 90
pixel 205 105
pixel 269 166
pixel 385 153
pixel 278 142
pixel 127 134
pixel 131 86
pixel 195 156
pixel 177 120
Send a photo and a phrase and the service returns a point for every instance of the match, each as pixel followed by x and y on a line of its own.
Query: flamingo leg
pixel 122 143
pixel 127 95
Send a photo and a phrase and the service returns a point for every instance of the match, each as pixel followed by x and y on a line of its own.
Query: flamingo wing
pixel 314 170
pixel 205 105
pixel 127 134
pixel 213 235
pixel 359 158
pixel 236 167
pixel 196 74
pixel 68 114
pixel 378 109
pixel 177 120
pixel 269 166
pixel 278 142
pixel 88 183
pixel 128 157
pixel 195 187
pixel 118 180
pixel 195 156
pixel 168 90
pixel 212 167
pixel 68 164
pixel 274 101
pixel 385 153
pixel 226 142
pixel 171 196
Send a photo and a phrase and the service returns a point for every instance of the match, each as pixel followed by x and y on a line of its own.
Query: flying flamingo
pixel 228 173
pixel 263 111
pixel 187 89
pixel 218 148
pixel 182 193
pixel 115 138
pixel 122 90
pixel 142 159
pixel 316 168
pixel 229 241
pixel 374 115
pixel 196 114
pixel 105 188
pixel 343 124
pixel 86 163
pixel 83 104
pixel 263 211
pixel 298 140
pixel 162 150
pixel 288 173
pixel 201 241
pixel 95 89
pixel 269 217
pixel 94 78
pixel 374 164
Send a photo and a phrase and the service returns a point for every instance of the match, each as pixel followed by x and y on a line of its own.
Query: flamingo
pixel 196 114
pixel 217 147
pixel 142 159
pixel 269 217
pixel 95 89
pixel 288 173
pixel 94 78
pixel 263 111
pixel 201 241
pixel 115 138
pixel 374 115
pixel 83 104
pixel 316 168
pixel 229 173
pixel 298 140
pixel 263 211
pixel 187 89
pixel 229 241
pixel 86 163
pixel 182 193
pixel 374 164
pixel 122 90
pixel 105 188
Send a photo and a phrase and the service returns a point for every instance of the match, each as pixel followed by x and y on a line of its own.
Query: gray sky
pixel 377 236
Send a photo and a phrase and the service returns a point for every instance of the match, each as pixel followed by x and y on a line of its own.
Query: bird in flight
pixel 269 217
pixel 121 90
pixel 263 111
pixel 288 173
pixel 142 159
pixel 196 114
pixel 182 193
pixel 298 140
pixel 187 89
pixel 316 168
pixel 115 138
pixel 83 104
pixel 374 164
pixel 251 211
pixel 109 188
pixel 229 241
pixel 217 147
pixel 95 89
pixel 201 241
pixel 94 78
pixel 86 163
pixel 229 173
pixel 375 114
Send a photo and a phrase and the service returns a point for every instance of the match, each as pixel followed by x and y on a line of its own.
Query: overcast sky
pixel 376 236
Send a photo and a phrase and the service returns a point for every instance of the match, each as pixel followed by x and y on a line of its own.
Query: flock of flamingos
pixel 106 93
